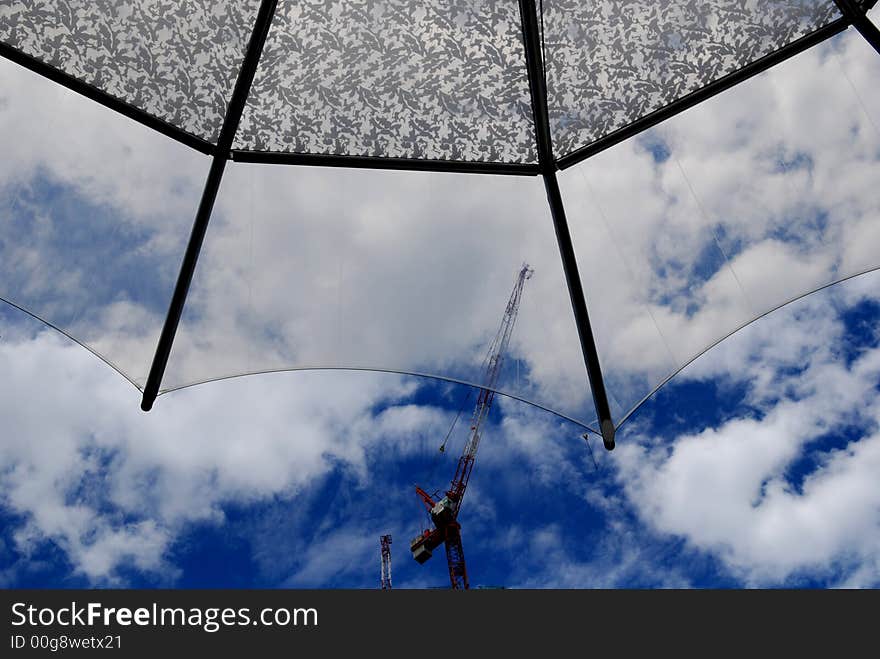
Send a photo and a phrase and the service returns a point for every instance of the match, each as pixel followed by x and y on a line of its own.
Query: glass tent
pixel 381 249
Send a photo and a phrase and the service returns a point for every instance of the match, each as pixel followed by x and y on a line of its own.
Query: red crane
pixel 385 543
pixel 444 513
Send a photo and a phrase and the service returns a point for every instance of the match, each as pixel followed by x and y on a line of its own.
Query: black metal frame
pixel 854 13
pixel 537 86
pixel 376 162
pixel 209 196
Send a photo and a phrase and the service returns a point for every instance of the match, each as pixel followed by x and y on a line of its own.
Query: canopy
pixel 310 267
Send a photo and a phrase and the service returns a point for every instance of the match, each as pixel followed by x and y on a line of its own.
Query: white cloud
pixel 619 557
pixel 727 489
pixel 111 485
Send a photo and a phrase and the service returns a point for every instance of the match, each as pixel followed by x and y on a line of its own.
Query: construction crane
pixel 444 513
pixel 385 544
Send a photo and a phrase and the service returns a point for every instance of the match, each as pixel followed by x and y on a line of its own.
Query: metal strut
pixel 856 13
pixel 537 85
pixel 209 196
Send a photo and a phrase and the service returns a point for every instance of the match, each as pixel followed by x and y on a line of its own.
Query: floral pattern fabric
pixel 611 62
pixel 433 79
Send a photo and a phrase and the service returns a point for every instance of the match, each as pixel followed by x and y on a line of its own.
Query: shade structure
pixel 446 86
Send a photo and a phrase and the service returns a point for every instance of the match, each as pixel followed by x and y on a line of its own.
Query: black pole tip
pixel 147 402
pixel 608 434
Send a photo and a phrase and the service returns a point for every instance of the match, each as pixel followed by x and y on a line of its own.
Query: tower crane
pixel 385 544
pixel 444 513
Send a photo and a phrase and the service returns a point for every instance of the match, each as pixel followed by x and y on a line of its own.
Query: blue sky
pixel 755 466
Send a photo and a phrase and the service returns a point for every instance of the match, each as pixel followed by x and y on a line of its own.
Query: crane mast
pixel 385 544
pixel 444 513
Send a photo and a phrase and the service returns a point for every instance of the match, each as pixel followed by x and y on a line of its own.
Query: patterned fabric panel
pixel 611 62
pixel 436 79
pixel 175 59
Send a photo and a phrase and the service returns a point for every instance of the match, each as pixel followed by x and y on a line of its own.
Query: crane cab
pixel 443 512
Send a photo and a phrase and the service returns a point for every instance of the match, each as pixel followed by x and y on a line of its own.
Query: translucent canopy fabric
pixel 709 228
pixel 692 229
pixel 404 271
pixel 94 215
